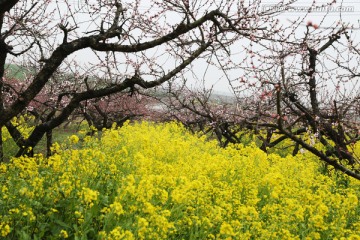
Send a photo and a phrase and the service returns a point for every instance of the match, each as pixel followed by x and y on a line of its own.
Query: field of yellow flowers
pixel 158 181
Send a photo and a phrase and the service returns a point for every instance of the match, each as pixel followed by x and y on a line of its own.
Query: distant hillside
pixel 16 71
pixel 223 97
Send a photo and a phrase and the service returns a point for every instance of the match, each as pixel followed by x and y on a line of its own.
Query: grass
pixel 60 135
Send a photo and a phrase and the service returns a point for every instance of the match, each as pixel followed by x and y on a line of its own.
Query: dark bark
pixel 296 149
pixel 3 55
pixel 312 82
pixel 100 46
pixel 266 141
pixel 2 71
pixel 42 77
pixel 15 134
pixel 1 147
pixel 6 5
pixel 49 142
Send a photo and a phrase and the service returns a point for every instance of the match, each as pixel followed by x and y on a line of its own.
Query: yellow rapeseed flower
pixel 4 229
pixel 117 208
pixel 74 139
pixel 226 229
pixel 63 234
pixel 89 196
pixel 158 181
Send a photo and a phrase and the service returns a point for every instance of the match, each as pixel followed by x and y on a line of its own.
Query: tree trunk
pixel 1 146
pixel 48 143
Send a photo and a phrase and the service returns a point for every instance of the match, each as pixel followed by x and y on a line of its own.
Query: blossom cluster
pixel 158 181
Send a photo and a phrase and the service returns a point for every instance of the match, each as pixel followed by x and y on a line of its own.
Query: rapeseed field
pixel 158 181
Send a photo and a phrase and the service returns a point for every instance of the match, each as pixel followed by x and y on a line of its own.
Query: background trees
pixel 312 82
pixel 299 85
pixel 130 45
pixel 288 79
